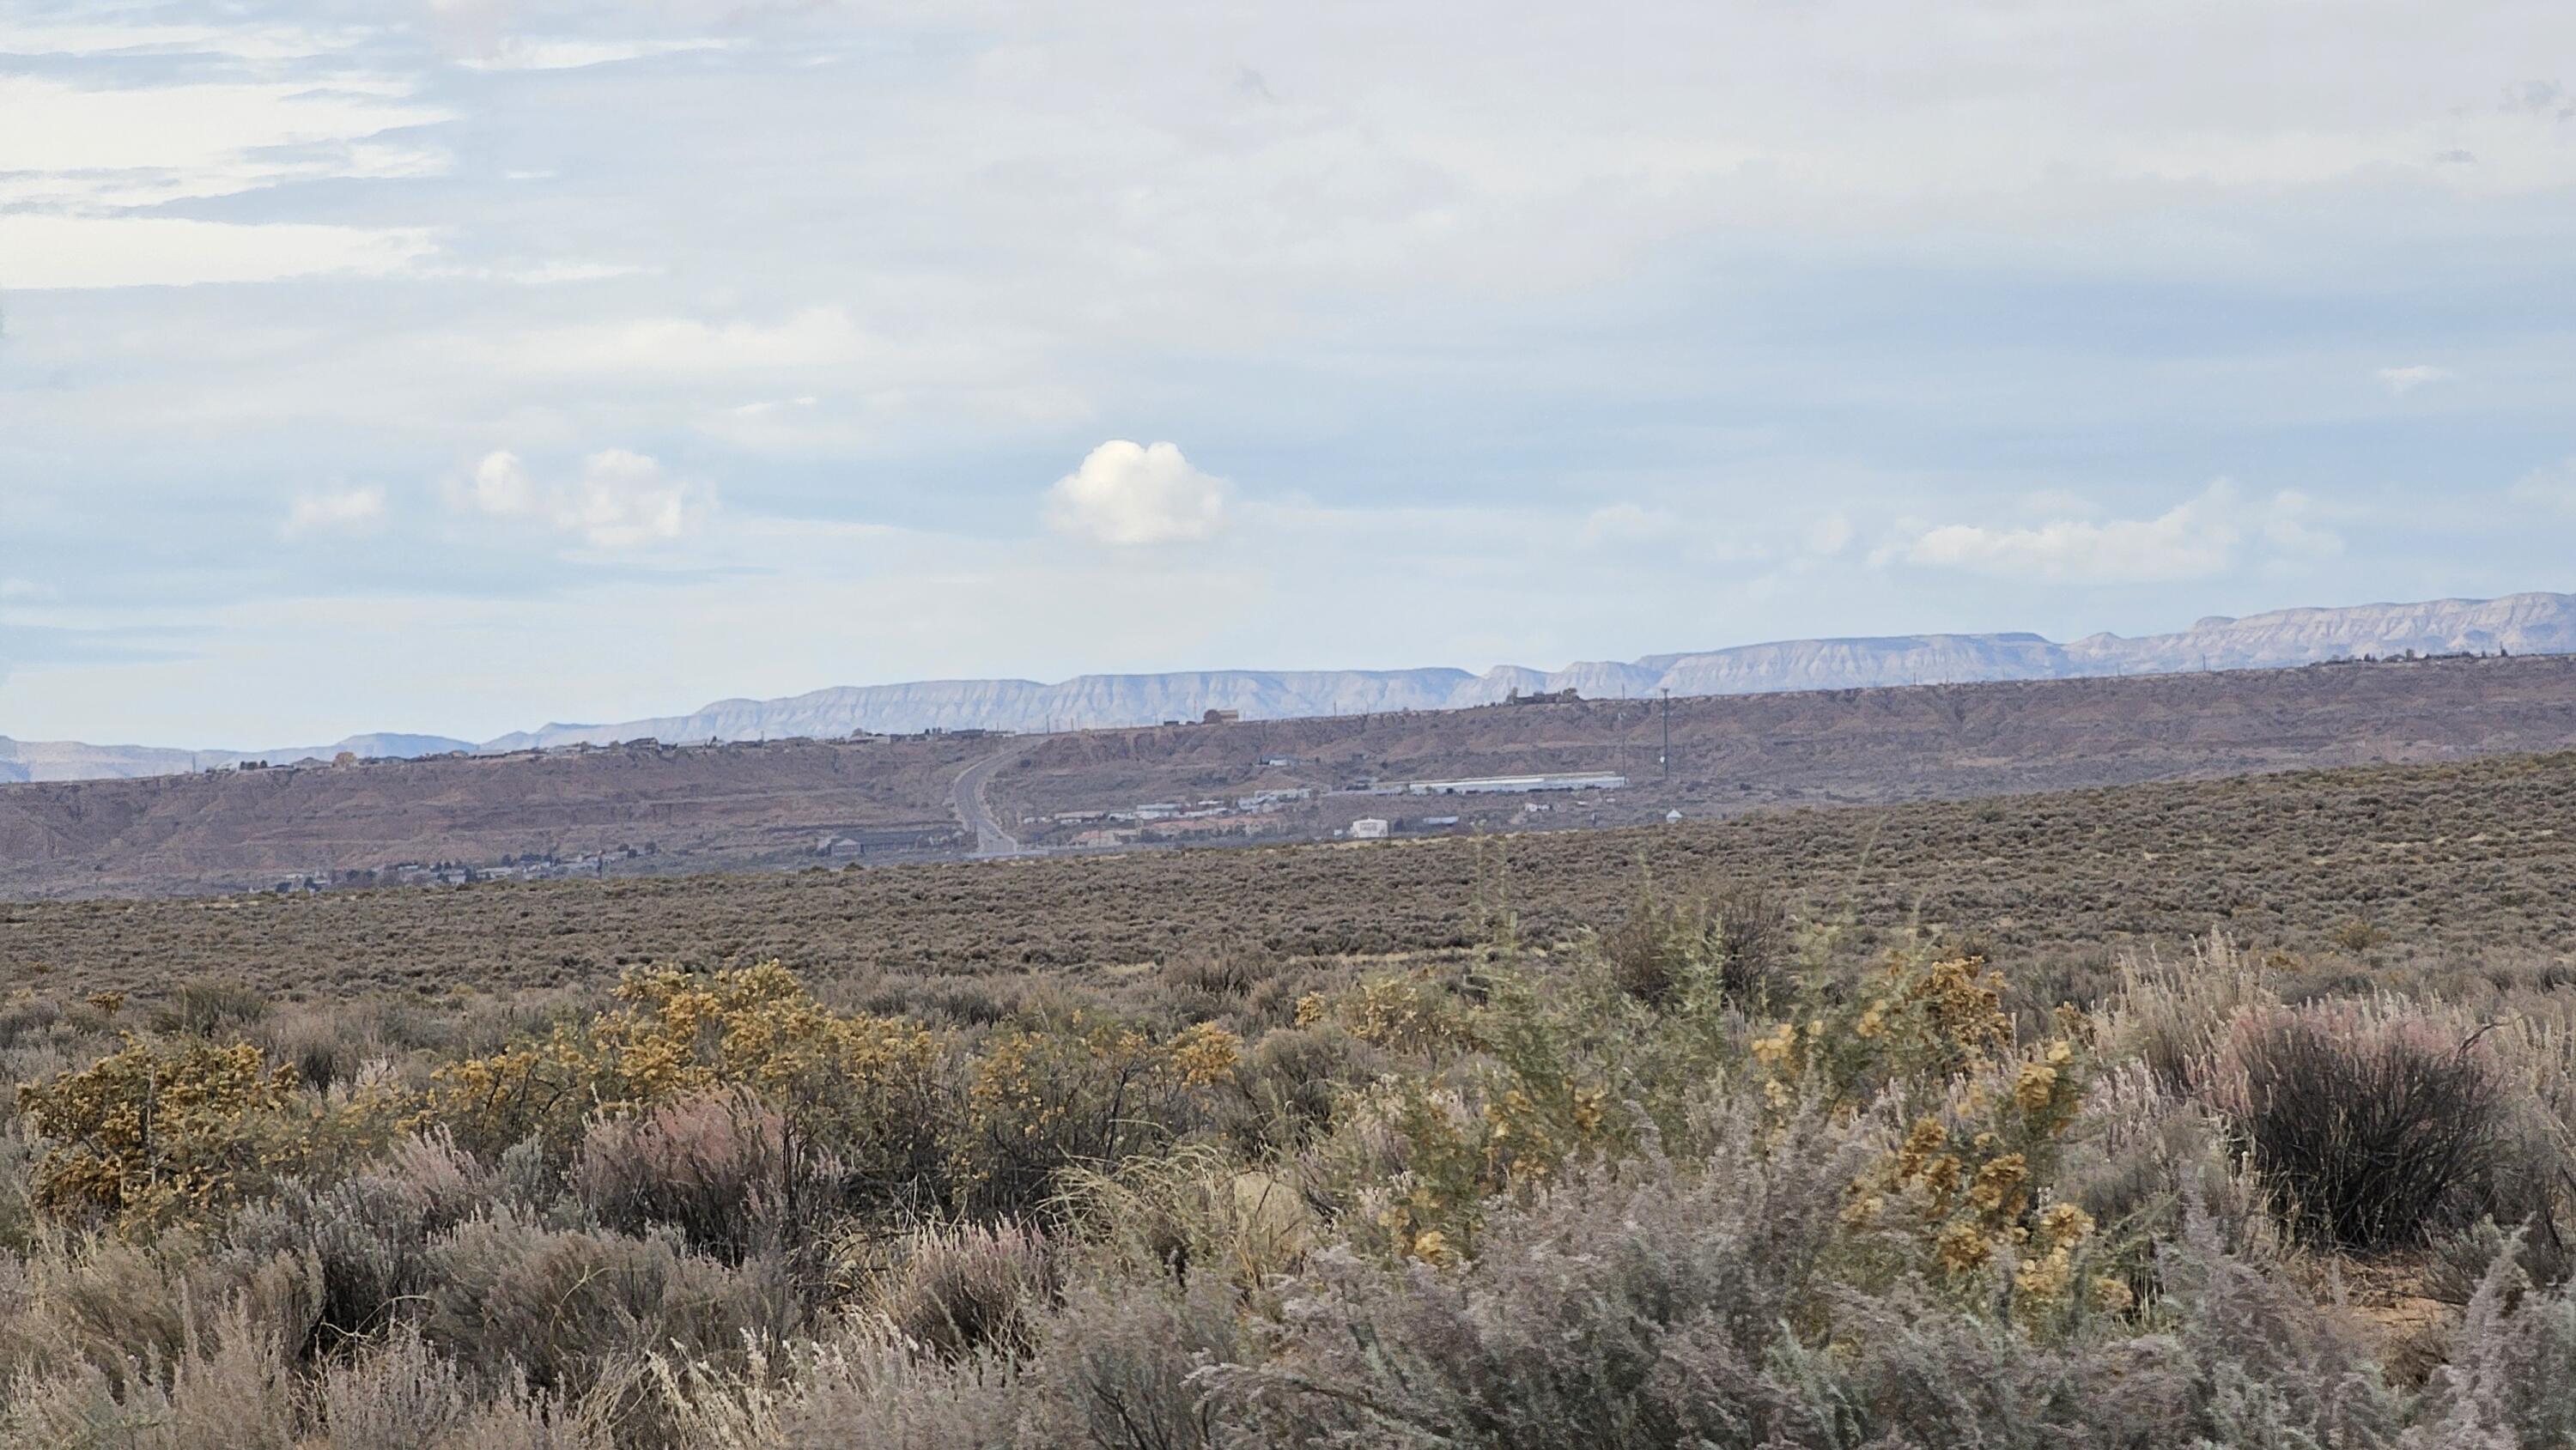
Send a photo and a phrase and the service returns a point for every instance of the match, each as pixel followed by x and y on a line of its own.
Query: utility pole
pixel 1666 760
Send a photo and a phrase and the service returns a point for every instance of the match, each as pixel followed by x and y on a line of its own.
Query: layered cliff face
pixel 1084 702
pixel 1844 664
pixel 2520 624
pixel 2517 624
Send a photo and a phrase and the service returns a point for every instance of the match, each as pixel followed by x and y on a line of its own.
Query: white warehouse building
pixel 1518 784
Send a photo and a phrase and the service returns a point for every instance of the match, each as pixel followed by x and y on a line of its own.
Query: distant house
pixel 1271 800
pixel 1221 717
pixel 1567 696
pixel 1368 828
pixel 1673 817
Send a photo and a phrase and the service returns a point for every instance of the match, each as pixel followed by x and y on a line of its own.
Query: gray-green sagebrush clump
pixel 1685 1183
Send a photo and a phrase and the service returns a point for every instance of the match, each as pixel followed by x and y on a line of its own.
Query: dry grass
pixel 1871 1207
pixel 2446 864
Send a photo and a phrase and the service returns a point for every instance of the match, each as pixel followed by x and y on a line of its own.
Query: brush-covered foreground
pixel 1709 1177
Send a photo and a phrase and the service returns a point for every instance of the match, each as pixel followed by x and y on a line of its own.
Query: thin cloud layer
pixel 2552 487
pixel 2200 538
pixel 2408 379
pixel 84 168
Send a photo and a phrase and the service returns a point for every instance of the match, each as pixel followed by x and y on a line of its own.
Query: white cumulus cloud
pixel 346 510
pixel 500 487
pixel 1130 494
pixel 619 500
pixel 2202 536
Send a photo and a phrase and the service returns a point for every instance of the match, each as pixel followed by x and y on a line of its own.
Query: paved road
pixel 966 798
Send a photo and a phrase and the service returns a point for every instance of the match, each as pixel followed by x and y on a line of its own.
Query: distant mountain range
pixel 2519 624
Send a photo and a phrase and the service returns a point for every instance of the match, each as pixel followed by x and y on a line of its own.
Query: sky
pixel 465 365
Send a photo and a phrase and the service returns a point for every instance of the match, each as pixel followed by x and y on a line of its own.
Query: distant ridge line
pixel 2529 623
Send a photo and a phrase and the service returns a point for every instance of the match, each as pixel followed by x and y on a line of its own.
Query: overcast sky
pixel 462 366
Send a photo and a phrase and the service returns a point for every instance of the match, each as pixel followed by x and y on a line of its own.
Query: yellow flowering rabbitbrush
pixel 869 1086
pixel 158 1134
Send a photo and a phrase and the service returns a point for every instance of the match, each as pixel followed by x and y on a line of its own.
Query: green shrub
pixel 725 1169
pixel 369 1238
pixel 1735 942
pixel 207 1006
pixel 2375 1126
pixel 1083 1091
pixel 959 1291
pixel 1291 1083
pixel 566 1306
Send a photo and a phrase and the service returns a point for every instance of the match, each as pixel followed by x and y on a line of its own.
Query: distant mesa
pixel 24 760
pixel 2517 624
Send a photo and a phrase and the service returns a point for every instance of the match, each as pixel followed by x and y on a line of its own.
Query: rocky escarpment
pixel 2518 624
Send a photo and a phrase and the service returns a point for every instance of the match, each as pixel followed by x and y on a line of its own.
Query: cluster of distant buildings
pixel 1121 828
pixel 1376 828
pixel 1102 829
pixel 528 867
pixel 1260 802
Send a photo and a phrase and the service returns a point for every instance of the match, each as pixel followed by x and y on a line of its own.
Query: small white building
pixel 1673 817
pixel 1368 828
